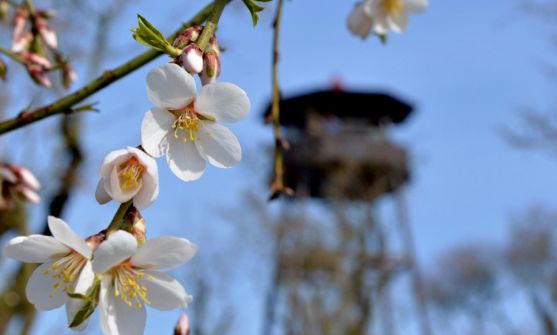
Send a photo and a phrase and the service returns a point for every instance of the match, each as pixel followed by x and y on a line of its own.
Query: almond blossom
pixel 126 174
pixel 184 126
pixel 65 268
pixel 383 15
pixel 130 279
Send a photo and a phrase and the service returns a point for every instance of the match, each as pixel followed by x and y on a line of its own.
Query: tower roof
pixel 376 108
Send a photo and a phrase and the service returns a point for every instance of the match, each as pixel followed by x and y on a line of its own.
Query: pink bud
pixel 46 32
pixel 211 67
pixel 136 222
pixel 20 19
pixel 187 36
pixel 192 59
pixel 33 58
pixel 38 74
pixel 22 42
pixel 27 178
pixel 182 326
pixel 28 194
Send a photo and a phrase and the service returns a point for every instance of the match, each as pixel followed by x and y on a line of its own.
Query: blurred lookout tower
pixel 338 147
pixel 339 151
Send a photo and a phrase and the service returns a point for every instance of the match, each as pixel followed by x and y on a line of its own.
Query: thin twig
pixel 277 187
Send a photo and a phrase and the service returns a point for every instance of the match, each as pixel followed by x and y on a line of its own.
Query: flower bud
pixel 38 74
pixel 68 75
pixel 20 19
pixel 4 8
pixel 17 184
pixel 211 67
pixel 37 67
pixel 182 326
pixel 192 59
pixel 46 32
pixel 190 35
pixel 135 221
pixel 3 70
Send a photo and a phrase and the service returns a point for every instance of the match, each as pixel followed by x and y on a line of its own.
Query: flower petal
pixel 155 130
pixel 115 190
pixel 65 235
pixel 115 316
pixel 83 283
pixel 40 290
pixel 224 101
pixel 164 292
pixel 359 22
pixel 219 146
pixel 100 194
pixel 170 87
pixel 184 160
pixel 164 252
pixel 398 23
pixel 34 248
pixel 150 180
pixel 119 246
pixel 148 193
pixel 416 5
pixel 113 158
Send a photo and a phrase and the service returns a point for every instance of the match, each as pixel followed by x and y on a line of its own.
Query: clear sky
pixel 467 66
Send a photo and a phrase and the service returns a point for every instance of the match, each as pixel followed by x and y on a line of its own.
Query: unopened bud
pixel 136 225
pixel 3 70
pixel 20 18
pixel 190 35
pixel 68 75
pixel 28 194
pixel 46 32
pixel 38 74
pixel 94 241
pixel 27 177
pixel 192 59
pixel 4 8
pixel 182 326
pixel 211 67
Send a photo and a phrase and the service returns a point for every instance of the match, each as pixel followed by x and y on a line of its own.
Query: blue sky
pixel 466 65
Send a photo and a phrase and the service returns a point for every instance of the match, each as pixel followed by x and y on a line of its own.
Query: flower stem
pixel 278 186
pixel 118 218
pixel 64 104
pixel 211 24
pixel 12 55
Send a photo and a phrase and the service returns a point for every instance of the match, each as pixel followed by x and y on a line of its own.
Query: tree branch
pixel 63 105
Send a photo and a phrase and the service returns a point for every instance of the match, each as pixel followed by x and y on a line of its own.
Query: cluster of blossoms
pixel 35 44
pixel 118 269
pixel 17 183
pixel 115 272
pixel 381 16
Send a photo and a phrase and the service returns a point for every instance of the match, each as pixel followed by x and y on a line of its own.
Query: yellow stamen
pixel 65 271
pixel 126 286
pixel 188 121
pixel 393 7
pixel 130 174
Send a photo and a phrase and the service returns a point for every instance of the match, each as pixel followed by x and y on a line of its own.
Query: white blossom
pixel 130 280
pixel 383 16
pixel 65 268
pixel 185 125
pixel 126 174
